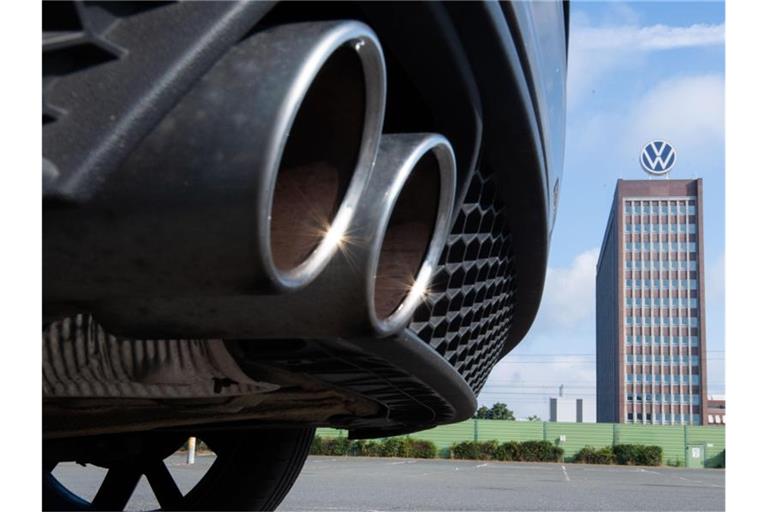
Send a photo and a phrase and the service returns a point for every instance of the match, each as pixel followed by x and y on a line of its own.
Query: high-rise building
pixel 651 343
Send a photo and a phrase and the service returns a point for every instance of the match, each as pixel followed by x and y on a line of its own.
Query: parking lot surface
pixel 362 483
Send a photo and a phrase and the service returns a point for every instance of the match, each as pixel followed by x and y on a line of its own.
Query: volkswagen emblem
pixel 657 157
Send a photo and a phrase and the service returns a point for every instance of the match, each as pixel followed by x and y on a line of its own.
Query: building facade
pixel 651 343
pixel 715 411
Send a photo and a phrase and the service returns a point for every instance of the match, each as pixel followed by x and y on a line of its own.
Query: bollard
pixel 191 446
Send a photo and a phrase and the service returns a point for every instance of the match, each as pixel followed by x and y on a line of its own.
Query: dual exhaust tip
pixel 347 224
pixel 329 199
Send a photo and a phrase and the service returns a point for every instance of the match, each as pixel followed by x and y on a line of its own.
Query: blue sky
pixel 637 71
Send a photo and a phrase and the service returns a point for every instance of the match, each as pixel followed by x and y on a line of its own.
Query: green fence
pixel 572 437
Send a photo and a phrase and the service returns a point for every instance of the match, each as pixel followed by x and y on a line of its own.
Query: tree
pixel 483 413
pixel 534 418
pixel 498 411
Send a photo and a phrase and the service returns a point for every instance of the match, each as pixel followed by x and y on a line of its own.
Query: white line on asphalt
pixel 567 478
pixel 649 471
pixel 396 463
pixel 481 465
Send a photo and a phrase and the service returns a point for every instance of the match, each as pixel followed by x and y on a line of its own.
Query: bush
pixel 508 451
pixel 648 456
pixel 477 450
pixel 540 451
pixel 317 446
pixel 391 447
pixel 638 454
pixel 364 447
pixel 422 449
pixel 531 451
pixel 330 446
pixel 590 455
pixel 465 450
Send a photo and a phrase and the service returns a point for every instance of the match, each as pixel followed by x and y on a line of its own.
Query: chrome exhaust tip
pixel 412 228
pixel 243 186
pixel 323 151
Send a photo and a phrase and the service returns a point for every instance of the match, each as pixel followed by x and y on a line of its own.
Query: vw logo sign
pixel 657 157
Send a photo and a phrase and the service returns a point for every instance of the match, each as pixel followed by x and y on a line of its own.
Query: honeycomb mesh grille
pixel 469 310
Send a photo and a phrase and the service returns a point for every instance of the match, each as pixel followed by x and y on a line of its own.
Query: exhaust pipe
pixel 243 187
pixel 372 286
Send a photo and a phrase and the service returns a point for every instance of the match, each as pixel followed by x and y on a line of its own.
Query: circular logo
pixel 657 157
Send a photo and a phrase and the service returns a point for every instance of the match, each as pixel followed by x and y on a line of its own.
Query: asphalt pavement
pixel 371 484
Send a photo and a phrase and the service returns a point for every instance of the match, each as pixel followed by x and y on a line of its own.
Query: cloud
pixel 569 293
pixel 597 51
pixel 564 324
pixel 650 38
pixel 687 111
pixel 716 281
pixel 527 385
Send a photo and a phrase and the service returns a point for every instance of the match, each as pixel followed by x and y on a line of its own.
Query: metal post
pixel 476 430
pixel 191 447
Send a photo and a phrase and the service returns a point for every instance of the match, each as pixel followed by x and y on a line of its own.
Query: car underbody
pixel 264 216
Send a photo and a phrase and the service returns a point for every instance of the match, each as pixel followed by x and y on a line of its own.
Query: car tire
pixel 253 470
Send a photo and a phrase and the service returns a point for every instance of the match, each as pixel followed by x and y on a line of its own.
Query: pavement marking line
pixel 481 465
pixel 565 473
pixel 649 471
pixel 396 463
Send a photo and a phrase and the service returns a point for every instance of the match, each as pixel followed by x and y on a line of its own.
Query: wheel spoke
pixel 116 489
pixel 162 483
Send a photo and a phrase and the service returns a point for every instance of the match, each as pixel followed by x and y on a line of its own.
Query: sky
pixel 637 71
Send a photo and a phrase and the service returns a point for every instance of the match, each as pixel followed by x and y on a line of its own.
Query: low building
pixel 566 409
pixel 715 410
